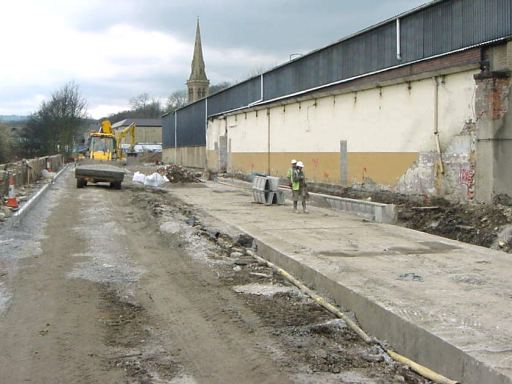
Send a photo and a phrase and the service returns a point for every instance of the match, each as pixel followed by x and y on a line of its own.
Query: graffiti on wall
pixel 467 178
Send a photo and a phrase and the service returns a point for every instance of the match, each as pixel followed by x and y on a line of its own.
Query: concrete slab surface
pixel 442 303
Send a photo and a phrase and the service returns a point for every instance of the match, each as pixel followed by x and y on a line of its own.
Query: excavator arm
pixel 130 130
pixel 106 127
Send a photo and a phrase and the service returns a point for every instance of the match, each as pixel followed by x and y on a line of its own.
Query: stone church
pixel 197 83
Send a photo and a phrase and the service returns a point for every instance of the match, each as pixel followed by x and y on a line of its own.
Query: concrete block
pixel 378 212
pixel 259 196
pixel 275 197
pixel 272 183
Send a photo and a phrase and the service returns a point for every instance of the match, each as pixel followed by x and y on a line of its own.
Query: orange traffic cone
pixel 11 199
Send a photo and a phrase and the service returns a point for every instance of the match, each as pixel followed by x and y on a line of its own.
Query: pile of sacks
pixel 177 174
pixel 168 173
pixel 153 180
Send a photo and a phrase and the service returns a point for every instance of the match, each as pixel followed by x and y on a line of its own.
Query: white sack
pixel 139 177
pixel 155 180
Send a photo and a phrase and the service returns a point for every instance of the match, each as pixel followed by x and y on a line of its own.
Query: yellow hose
pixel 421 370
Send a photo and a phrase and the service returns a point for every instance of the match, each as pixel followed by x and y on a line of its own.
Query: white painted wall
pixel 397 118
pixel 389 119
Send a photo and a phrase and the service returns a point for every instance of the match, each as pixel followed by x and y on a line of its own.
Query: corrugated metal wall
pixel 440 28
pixel 235 97
pixel 168 131
pixel 191 121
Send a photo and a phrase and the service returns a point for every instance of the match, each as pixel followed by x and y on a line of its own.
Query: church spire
pixel 198 82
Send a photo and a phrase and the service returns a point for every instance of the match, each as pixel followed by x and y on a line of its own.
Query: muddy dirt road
pixel 105 286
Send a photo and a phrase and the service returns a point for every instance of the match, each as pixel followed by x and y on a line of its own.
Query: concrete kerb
pixel 378 212
pixel 21 213
pixel 409 339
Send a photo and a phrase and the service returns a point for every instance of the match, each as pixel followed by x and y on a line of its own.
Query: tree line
pixel 59 124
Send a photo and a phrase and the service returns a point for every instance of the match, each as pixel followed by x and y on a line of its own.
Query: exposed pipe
pixel 176 137
pixel 436 124
pixel 261 94
pixel 261 87
pixel 423 371
pixel 206 128
pixel 398 44
pixel 268 141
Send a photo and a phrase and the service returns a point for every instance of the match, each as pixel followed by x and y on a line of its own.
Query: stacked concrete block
pixel 265 190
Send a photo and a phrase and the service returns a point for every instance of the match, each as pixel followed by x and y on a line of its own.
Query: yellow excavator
pixel 104 152
pixel 106 144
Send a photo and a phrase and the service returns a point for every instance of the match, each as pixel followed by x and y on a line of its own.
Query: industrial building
pixel 148 131
pixel 417 104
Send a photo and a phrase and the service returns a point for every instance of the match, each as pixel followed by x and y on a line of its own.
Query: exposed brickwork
pixel 492 90
pixel 464 58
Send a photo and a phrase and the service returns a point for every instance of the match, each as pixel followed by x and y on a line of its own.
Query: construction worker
pixel 290 172
pixel 299 187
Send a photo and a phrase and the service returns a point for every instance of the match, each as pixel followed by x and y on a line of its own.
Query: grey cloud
pixel 265 25
pixel 273 28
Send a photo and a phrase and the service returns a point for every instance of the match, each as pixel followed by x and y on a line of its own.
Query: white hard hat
pixel 294 161
pixel 300 164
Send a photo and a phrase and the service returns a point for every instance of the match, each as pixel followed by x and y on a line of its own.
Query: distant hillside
pixel 12 118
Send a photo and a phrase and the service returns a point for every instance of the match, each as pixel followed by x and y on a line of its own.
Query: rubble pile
pixel 177 174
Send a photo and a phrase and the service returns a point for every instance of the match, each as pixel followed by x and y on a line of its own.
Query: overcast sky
pixel 117 49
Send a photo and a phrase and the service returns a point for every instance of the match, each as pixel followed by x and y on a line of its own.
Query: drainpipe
pixel 175 137
pixel 268 141
pixel 436 123
pixel 206 132
pixel 398 46
pixel 261 94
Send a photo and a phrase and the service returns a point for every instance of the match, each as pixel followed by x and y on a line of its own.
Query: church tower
pixel 197 83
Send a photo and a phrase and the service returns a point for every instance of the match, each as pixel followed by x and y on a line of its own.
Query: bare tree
pixel 144 106
pixel 52 128
pixel 140 101
pixel 176 100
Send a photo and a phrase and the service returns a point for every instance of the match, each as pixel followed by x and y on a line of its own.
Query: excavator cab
pixel 102 147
